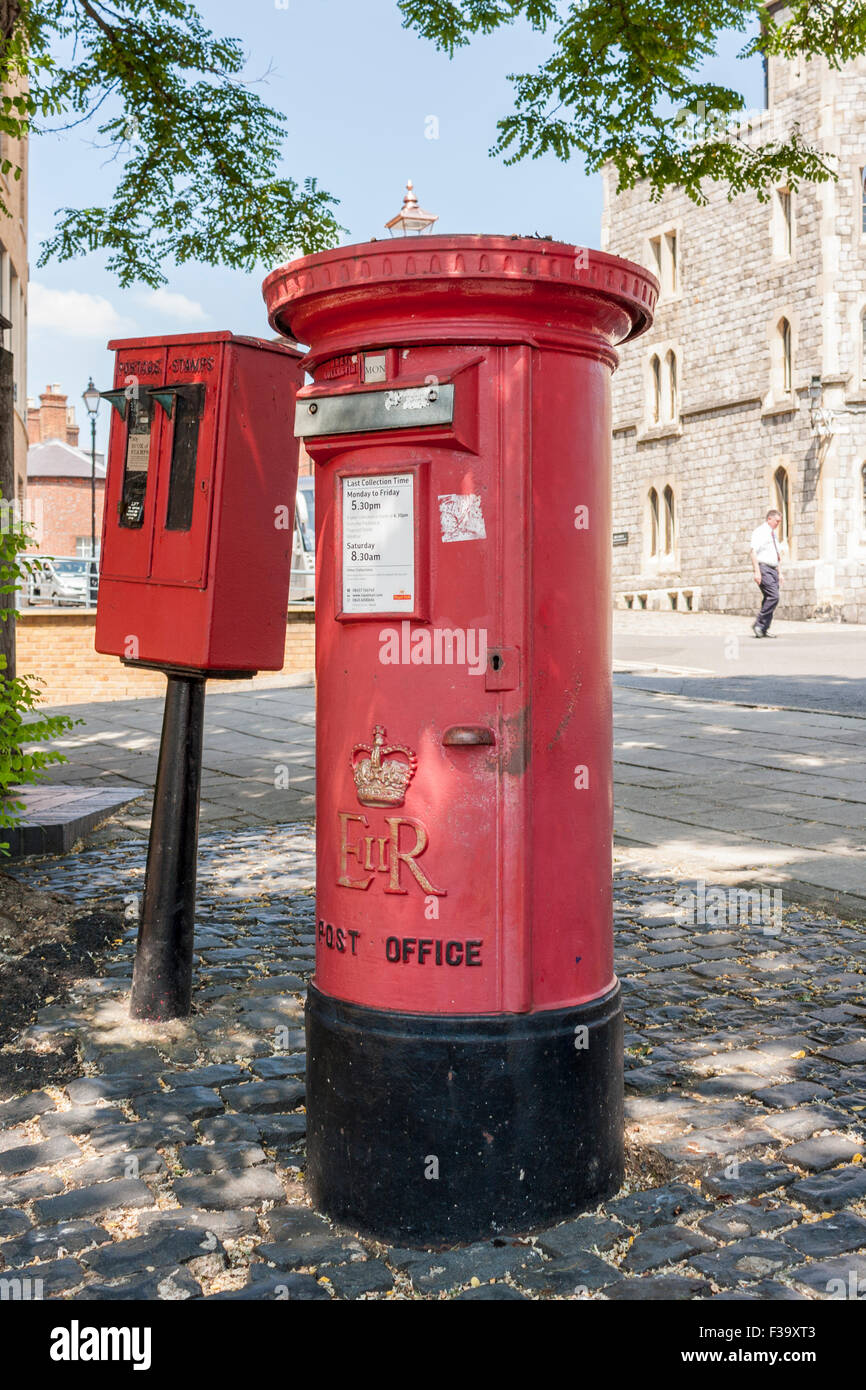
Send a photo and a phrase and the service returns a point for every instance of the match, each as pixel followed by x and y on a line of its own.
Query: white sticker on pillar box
pixel 461 518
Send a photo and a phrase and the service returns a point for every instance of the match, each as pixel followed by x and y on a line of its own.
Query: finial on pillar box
pixel 411 218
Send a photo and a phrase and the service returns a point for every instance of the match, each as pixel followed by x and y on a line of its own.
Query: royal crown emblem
pixel 381 783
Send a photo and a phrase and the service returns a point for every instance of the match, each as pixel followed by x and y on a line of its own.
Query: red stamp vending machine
pixel 195 567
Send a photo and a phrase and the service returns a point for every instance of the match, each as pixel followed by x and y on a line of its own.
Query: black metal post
pixel 92 510
pixel 162 978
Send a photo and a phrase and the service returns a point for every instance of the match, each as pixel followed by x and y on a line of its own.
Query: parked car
pixel 61 580
pixel 307 489
pixel 303 581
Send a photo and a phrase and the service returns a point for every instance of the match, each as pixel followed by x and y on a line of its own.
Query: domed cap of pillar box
pixel 460 289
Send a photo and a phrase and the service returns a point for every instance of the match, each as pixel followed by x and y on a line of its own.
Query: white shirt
pixel 764 544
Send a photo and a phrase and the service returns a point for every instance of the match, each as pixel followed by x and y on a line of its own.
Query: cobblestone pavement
pixel 173 1167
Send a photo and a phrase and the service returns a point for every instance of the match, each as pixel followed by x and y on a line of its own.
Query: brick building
pixel 52 418
pixel 59 479
pixel 749 392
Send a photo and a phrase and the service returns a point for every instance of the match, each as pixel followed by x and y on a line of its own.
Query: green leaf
pixel 620 85
pixel 199 154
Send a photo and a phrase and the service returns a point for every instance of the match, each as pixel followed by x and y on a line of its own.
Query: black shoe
pixel 758 631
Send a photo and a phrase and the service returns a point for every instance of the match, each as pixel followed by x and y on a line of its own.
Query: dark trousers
pixel 770 590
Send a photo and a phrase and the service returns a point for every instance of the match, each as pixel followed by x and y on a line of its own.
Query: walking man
pixel 765 559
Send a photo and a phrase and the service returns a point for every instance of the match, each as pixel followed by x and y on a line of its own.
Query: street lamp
pixel 91 400
pixel 820 418
pixel 411 218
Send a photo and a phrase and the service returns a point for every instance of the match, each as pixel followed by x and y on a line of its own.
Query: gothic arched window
pixel 783 502
pixel 655 389
pixel 672 384
pixel 670 521
pixel 786 361
pixel 654 521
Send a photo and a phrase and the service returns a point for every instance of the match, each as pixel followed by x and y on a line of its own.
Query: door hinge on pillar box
pixel 195 566
pixel 464 1055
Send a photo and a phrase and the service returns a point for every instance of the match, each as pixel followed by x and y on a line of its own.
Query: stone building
pixel 749 392
pixel 59 479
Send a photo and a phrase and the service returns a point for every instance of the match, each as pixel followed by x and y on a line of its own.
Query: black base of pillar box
pixel 428 1130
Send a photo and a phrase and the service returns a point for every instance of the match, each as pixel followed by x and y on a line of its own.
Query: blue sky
pixel 358 90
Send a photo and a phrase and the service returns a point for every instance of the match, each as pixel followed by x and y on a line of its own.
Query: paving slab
pixel 757 1217
pixel 225 1190
pixel 745 1260
pixel 54 817
pixel 827 1151
pixel 664 1245
pixel 779 797
pixel 840 1233
pixel 832 1191
pixel 95 1200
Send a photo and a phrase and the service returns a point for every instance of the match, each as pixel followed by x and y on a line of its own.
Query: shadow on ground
pixel 829 694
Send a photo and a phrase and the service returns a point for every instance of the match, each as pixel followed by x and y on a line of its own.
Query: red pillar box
pixel 465 1023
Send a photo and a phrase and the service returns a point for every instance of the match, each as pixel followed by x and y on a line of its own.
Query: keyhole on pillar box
pixel 503 669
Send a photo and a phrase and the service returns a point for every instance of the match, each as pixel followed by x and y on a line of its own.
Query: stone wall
pixel 57 646
pixel 734 423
